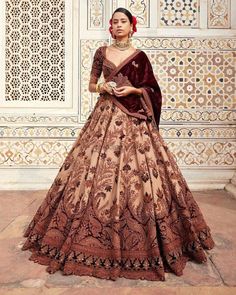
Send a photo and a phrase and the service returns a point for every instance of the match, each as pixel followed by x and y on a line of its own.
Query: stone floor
pixel 18 275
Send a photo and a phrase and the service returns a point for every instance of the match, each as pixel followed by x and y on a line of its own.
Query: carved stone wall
pixel 47 55
pixel 35 49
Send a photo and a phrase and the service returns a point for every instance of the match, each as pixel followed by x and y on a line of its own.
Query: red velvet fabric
pixel 139 72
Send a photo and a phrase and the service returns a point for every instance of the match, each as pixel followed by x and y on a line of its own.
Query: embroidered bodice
pixel 100 65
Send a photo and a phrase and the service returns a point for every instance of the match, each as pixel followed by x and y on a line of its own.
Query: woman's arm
pixel 92 87
pixel 126 90
pixel 96 70
pixel 103 88
pixel 138 91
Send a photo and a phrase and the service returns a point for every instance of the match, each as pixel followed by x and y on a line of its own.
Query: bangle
pixel 98 87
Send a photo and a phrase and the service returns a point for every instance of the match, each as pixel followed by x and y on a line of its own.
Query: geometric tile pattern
pixel 192 79
pixel 96 14
pixel 179 13
pixel 219 13
pixel 35 49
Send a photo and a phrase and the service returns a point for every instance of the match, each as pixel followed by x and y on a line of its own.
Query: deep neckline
pixel 124 61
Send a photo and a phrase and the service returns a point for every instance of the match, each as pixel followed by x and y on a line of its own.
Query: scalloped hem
pixel 75 268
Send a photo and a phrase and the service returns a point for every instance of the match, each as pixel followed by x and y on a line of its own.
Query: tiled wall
pixel 191 45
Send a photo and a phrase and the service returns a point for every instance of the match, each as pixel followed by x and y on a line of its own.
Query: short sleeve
pixel 96 69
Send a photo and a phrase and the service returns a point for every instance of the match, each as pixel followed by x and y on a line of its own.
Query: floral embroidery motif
pixel 134 64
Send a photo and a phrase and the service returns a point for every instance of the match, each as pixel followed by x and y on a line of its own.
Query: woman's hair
pixel 126 12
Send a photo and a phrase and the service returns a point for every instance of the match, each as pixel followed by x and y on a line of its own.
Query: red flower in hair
pixel 134 23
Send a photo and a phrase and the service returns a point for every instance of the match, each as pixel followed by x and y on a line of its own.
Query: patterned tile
pixel 35 50
pixel 168 116
pixel 198 116
pixel 179 13
pixel 192 79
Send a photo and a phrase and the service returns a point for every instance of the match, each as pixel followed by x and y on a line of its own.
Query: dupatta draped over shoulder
pixel 136 70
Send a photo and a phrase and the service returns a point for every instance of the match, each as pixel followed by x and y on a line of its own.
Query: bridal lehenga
pixel 119 205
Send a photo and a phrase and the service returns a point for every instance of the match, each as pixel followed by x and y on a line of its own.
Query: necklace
pixel 122 45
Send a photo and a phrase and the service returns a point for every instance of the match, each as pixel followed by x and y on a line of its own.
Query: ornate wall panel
pixel 196 75
pixel 179 13
pixel 35 49
pixel 140 9
pixel 219 13
pixel 193 79
pixel 96 14
pixel 33 153
pixel 36 43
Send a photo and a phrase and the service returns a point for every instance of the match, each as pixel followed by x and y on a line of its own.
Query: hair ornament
pixel 134 22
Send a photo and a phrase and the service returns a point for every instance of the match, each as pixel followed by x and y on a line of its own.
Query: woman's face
pixel 121 25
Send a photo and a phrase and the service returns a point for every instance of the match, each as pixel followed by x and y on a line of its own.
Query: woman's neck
pixel 125 39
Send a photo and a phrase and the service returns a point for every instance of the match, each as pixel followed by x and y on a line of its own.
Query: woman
pixel 119 205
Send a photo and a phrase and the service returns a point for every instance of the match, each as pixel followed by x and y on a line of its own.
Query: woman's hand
pixel 105 87
pixel 125 90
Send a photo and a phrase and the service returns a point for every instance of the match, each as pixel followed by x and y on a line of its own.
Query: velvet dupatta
pixel 136 70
